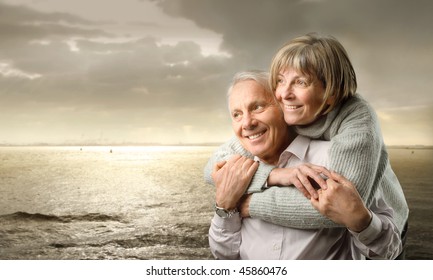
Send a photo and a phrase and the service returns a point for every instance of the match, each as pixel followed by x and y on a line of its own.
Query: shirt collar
pixel 297 148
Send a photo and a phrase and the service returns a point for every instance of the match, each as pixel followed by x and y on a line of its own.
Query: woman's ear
pixel 331 100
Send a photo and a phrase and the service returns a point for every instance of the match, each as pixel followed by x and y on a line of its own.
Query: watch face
pixel 222 213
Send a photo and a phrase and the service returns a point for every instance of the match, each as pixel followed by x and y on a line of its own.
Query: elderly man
pixel 259 125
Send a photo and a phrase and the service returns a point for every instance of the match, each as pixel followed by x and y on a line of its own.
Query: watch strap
pixel 224 213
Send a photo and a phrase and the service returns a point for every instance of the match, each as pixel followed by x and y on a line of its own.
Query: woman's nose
pixel 284 92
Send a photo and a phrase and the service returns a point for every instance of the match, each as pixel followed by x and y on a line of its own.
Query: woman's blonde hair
pixel 318 57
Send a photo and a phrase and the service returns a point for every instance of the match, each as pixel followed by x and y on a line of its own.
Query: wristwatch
pixel 224 213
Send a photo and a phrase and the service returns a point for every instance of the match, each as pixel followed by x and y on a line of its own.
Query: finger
pixel 243 163
pixel 318 179
pixel 332 184
pixel 315 203
pixel 322 171
pixel 250 167
pixel 316 173
pixel 307 185
pixel 247 162
pixel 253 168
pixel 219 165
pixel 340 179
pixel 302 189
pixel 234 159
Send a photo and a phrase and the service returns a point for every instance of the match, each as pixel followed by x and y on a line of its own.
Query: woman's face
pixel 300 97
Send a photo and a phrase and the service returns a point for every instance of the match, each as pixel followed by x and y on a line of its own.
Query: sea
pixel 147 202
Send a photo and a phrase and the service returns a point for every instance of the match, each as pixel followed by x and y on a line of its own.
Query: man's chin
pixel 257 151
pixel 254 147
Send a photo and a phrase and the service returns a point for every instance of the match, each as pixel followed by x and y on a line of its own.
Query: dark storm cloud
pixel 114 75
pixel 21 23
pixel 11 13
pixel 134 74
pixel 386 39
pixel 60 69
pixel 21 28
pixel 389 43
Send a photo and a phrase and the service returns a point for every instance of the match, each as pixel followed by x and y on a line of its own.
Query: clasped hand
pixel 303 177
pixel 232 178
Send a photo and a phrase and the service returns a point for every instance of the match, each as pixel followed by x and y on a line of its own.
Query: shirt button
pixel 276 247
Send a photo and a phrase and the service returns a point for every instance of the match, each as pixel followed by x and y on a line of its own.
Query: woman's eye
pixel 302 83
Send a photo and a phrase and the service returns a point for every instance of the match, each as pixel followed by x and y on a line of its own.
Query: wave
pixel 180 235
pixel 38 217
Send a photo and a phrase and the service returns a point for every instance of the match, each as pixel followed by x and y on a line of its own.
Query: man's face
pixel 257 121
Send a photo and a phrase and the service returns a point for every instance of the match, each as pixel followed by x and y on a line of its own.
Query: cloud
pixel 7 70
pixel 148 76
pixel 62 85
pixel 19 23
pixel 387 40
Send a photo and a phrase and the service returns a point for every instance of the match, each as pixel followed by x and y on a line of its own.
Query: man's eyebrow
pixel 258 102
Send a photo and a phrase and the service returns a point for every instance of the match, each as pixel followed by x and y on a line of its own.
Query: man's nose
pixel 249 121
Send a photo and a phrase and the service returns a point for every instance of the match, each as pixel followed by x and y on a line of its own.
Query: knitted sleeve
pixel 286 206
pixel 233 147
pixel 357 149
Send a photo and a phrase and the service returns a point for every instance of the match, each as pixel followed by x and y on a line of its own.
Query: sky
pixel 157 71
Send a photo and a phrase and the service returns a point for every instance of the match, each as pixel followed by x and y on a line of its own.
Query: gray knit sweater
pixel 357 152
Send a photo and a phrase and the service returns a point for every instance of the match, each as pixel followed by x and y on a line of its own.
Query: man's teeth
pixel 252 137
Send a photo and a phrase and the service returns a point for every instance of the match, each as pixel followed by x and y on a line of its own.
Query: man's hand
pixel 244 206
pixel 231 179
pixel 302 177
pixel 342 203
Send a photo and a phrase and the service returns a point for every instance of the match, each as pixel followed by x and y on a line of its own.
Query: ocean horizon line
pixel 418 147
pixel 110 144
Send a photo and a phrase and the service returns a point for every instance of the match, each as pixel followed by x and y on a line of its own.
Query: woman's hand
pixel 303 177
pixel 342 203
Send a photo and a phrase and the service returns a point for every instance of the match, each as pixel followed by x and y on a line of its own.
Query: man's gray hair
pixel 261 77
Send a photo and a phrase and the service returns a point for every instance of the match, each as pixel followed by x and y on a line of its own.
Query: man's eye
pixel 236 115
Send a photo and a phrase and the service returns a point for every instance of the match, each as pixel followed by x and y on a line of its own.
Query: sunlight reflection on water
pixel 141 202
pixel 152 191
